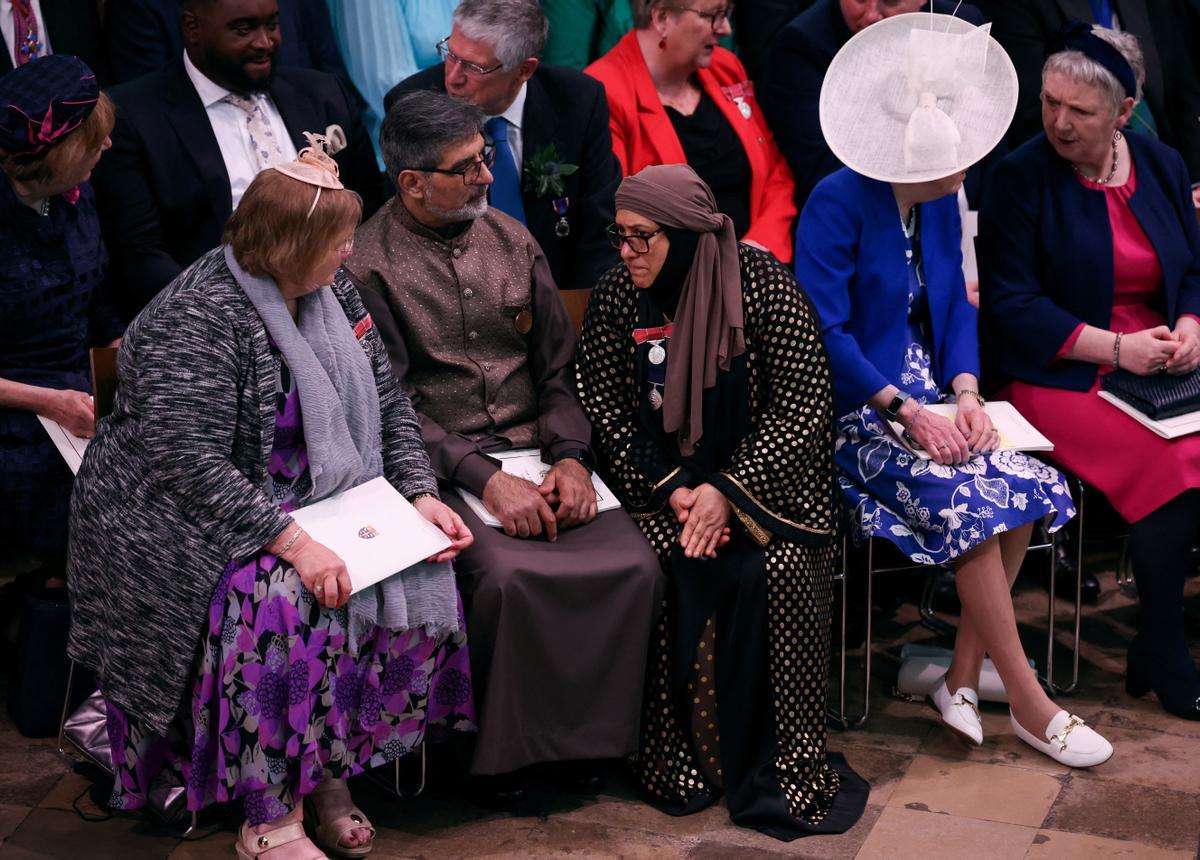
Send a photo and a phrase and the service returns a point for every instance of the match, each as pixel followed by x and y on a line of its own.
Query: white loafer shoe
pixel 960 712
pixel 1068 741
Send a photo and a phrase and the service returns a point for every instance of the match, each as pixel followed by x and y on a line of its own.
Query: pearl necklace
pixel 1111 173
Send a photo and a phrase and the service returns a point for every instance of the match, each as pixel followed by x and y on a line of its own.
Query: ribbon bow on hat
pixel 917 97
pixel 42 102
pixel 941 65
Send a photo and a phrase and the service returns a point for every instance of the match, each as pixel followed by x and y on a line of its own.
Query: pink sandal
pixel 344 816
pixel 251 845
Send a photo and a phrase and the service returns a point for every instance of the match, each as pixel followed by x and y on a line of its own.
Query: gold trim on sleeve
pixel 771 513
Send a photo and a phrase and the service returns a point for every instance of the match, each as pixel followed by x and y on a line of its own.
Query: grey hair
pixel 419 127
pixel 516 29
pixel 1082 69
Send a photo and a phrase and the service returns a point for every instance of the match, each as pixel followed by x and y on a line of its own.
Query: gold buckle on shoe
pixel 960 699
pixel 1061 737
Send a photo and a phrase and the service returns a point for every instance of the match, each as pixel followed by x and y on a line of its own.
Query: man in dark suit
pixel 71 27
pixel 791 92
pixel 191 136
pixel 144 35
pixel 552 118
pixel 1163 29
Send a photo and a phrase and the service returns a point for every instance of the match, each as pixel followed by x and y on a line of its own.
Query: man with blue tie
pixel 555 170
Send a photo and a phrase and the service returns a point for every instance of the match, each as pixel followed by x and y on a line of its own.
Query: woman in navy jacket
pixel 1090 259
pixel 881 259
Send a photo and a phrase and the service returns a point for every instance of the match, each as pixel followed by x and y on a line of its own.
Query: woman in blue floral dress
pixel 881 259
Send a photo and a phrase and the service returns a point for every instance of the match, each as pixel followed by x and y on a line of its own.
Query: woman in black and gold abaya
pixel 702 370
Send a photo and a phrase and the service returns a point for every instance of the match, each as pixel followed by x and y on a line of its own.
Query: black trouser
pixel 1160 547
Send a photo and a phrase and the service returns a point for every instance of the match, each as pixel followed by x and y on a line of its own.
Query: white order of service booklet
pixel 527 463
pixel 1016 433
pixel 374 529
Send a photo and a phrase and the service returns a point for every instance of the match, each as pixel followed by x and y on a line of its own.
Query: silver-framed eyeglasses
pixel 471 173
pixel 639 243
pixel 714 18
pixel 448 56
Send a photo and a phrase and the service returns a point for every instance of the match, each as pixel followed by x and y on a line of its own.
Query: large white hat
pixel 917 97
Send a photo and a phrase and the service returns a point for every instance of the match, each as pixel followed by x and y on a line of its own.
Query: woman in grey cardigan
pixel 248 390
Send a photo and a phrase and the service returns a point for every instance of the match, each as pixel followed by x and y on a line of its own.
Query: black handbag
pixel 1158 396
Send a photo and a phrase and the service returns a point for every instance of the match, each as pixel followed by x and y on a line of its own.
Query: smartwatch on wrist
pixel 892 412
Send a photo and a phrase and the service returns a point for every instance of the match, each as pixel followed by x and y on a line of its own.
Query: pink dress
pixel 1137 470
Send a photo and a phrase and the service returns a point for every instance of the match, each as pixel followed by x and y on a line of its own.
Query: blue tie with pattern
pixel 505 193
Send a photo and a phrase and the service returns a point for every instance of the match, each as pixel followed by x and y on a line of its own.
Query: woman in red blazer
pixel 675 96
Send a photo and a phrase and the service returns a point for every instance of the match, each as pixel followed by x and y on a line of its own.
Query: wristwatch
pixel 580 454
pixel 892 412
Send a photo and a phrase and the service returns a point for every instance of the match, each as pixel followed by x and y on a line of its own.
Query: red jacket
pixel 643 135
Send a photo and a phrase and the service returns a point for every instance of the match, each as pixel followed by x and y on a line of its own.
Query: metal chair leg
pixel 838 715
pixel 1048 681
pixel 394 784
pixel 66 710
pixel 928 617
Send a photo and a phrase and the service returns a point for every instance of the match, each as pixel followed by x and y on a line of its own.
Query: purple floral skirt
pixel 281 702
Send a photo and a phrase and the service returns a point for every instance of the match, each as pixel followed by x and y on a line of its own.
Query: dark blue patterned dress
pixel 52 310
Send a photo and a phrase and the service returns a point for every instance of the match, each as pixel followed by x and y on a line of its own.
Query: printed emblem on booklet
pixel 368 532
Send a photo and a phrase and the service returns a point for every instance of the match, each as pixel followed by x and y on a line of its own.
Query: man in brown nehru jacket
pixel 560 602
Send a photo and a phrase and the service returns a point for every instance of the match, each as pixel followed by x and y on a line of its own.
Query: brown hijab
pixel 707 333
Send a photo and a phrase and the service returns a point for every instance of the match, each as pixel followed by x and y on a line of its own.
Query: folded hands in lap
pixel 568 489
pixel 1187 352
pixel 1149 350
pixel 704 514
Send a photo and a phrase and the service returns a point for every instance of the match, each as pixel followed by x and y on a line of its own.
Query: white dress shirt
pixel 229 125
pixel 6 28
pixel 516 140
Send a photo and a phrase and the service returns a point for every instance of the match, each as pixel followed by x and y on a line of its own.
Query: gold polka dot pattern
pixel 781 477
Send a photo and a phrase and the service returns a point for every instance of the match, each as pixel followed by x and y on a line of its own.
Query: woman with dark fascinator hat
pixel 701 367
pixel 54 126
pixel 1090 262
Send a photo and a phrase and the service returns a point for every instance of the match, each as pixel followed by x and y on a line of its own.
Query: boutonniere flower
pixel 545 171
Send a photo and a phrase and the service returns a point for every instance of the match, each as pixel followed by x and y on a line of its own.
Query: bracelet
pixel 974 394
pixel 1117 352
pixel 912 420
pixel 418 496
pixel 299 530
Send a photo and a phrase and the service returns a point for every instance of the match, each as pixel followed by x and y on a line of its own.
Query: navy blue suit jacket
pixel 790 91
pixel 163 189
pixel 851 260
pixel 1046 256
pixel 144 35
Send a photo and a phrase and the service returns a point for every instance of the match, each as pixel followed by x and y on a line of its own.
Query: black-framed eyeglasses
pixel 715 19
pixel 449 56
pixel 639 243
pixel 471 173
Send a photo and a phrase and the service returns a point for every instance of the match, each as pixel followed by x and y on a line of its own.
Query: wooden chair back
pixel 104 379
pixel 576 302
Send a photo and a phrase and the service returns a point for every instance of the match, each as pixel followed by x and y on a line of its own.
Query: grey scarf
pixel 340 404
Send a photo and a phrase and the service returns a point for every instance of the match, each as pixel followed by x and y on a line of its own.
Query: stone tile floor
pixel 931 796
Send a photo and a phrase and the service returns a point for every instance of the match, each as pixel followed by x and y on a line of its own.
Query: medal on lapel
pixel 560 204
pixel 523 321
pixel 656 355
pixel 740 94
pixel 655 396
